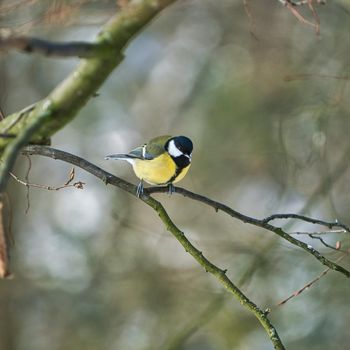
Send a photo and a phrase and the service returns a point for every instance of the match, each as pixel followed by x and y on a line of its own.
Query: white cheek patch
pixel 173 150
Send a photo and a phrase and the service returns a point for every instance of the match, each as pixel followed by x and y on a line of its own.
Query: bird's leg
pixel 139 189
pixel 171 188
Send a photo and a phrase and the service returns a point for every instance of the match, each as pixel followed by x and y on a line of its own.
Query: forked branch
pixel 218 273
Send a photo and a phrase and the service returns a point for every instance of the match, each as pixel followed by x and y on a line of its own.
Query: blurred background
pixel 269 118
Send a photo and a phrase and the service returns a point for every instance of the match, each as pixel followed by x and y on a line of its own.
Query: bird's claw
pixel 139 190
pixel 171 189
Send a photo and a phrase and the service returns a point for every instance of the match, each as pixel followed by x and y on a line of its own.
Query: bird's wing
pixel 149 151
pixel 156 145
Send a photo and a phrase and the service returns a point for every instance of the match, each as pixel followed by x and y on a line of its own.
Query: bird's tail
pixel 120 156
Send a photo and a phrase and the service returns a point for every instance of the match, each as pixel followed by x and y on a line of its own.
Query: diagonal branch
pixel 73 93
pixel 218 273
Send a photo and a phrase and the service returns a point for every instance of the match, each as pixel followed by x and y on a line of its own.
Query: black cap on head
pixel 184 144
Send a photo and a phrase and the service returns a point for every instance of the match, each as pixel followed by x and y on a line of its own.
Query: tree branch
pixel 72 94
pixel 327 224
pixel 10 154
pixel 56 49
pixel 106 177
pixel 261 223
pixel 218 273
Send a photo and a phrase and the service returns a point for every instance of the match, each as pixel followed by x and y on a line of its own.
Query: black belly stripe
pixel 177 173
pixel 181 163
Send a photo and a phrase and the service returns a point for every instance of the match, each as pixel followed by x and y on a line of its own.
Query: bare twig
pixel 2 114
pixel 68 183
pixel 318 232
pixel 301 2
pixel 328 224
pixel 27 181
pixel 252 26
pixel 300 17
pixel 291 6
pixel 309 284
pixel 337 247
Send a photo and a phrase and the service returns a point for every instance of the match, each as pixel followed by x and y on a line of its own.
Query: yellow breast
pixel 158 171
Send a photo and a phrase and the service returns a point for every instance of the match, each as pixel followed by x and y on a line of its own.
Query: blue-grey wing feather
pixel 137 153
pixel 140 153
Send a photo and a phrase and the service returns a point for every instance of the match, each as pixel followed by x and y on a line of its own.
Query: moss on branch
pixel 74 92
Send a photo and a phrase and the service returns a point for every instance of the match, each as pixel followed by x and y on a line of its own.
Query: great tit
pixel 164 160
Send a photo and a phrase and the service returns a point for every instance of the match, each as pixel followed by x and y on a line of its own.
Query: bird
pixel 164 160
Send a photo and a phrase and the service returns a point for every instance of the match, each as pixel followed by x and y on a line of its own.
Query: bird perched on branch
pixel 163 160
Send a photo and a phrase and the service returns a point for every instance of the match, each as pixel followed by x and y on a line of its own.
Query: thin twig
pixel 315 15
pixel 252 26
pixel 337 248
pixel 27 181
pixel 328 224
pixel 300 17
pixel 78 184
pixel 2 114
pixel 318 232
pixel 310 284
pixel 291 6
